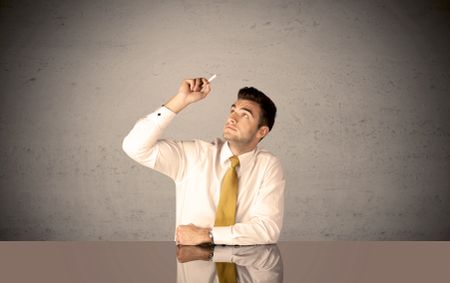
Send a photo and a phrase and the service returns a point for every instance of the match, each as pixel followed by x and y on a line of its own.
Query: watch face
pixel 211 237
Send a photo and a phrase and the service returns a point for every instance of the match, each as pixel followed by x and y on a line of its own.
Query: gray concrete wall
pixel 362 89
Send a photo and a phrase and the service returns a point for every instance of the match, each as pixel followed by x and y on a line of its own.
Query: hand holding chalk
pixel 190 91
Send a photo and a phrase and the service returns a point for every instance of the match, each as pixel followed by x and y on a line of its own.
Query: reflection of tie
pixel 226 272
pixel 226 210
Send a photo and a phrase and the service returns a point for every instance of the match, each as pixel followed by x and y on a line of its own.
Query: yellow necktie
pixel 226 209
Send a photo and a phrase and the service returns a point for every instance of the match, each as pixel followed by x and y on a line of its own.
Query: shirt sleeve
pixel 265 223
pixel 141 143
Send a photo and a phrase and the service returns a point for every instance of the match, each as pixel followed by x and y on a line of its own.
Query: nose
pixel 233 118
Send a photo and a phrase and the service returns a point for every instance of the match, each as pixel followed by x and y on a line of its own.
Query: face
pixel 242 124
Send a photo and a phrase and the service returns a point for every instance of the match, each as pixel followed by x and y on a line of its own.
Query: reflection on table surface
pixel 261 263
pixel 285 262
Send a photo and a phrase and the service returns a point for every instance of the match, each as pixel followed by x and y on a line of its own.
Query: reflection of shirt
pixel 197 167
pixel 261 263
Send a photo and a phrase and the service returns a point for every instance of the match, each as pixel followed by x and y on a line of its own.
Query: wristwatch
pixel 211 236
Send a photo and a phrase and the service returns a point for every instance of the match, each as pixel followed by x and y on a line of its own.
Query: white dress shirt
pixel 197 167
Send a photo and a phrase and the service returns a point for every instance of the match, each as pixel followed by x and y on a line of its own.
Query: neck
pixel 238 149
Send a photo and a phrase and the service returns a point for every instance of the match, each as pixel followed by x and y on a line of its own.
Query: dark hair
pixel 268 108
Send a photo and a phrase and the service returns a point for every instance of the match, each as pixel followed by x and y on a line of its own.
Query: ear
pixel 262 132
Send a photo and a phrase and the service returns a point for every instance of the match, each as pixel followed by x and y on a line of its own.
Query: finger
pixel 197 84
pixel 194 84
pixel 200 84
pixel 204 82
pixel 206 88
pixel 190 83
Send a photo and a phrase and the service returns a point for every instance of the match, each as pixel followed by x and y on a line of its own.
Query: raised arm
pixel 140 143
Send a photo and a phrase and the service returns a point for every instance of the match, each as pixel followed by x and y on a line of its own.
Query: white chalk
pixel 212 78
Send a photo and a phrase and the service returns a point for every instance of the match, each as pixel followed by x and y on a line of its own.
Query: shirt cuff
pixel 222 235
pixel 162 117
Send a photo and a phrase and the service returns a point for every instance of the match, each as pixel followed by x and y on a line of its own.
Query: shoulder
pixel 267 156
pixel 268 161
pixel 211 145
pixel 200 146
pixel 270 165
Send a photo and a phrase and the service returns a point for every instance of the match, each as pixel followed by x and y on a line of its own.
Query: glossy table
pixel 284 262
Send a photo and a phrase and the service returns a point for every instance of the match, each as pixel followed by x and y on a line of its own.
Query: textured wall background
pixel 362 89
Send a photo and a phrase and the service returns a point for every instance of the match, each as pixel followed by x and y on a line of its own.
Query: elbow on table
pixel 270 233
pixel 273 238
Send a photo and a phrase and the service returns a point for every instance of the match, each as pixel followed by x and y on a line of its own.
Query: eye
pixel 245 115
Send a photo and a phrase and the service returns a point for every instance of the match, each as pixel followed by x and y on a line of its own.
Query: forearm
pixel 255 232
pixel 176 103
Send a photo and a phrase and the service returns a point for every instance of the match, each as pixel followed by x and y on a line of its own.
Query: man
pixel 227 192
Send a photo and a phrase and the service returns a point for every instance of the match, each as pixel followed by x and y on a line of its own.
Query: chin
pixel 227 136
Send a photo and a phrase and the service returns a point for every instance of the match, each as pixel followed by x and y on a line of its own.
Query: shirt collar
pixel 244 158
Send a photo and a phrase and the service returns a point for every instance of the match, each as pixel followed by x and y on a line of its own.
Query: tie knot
pixel 234 161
